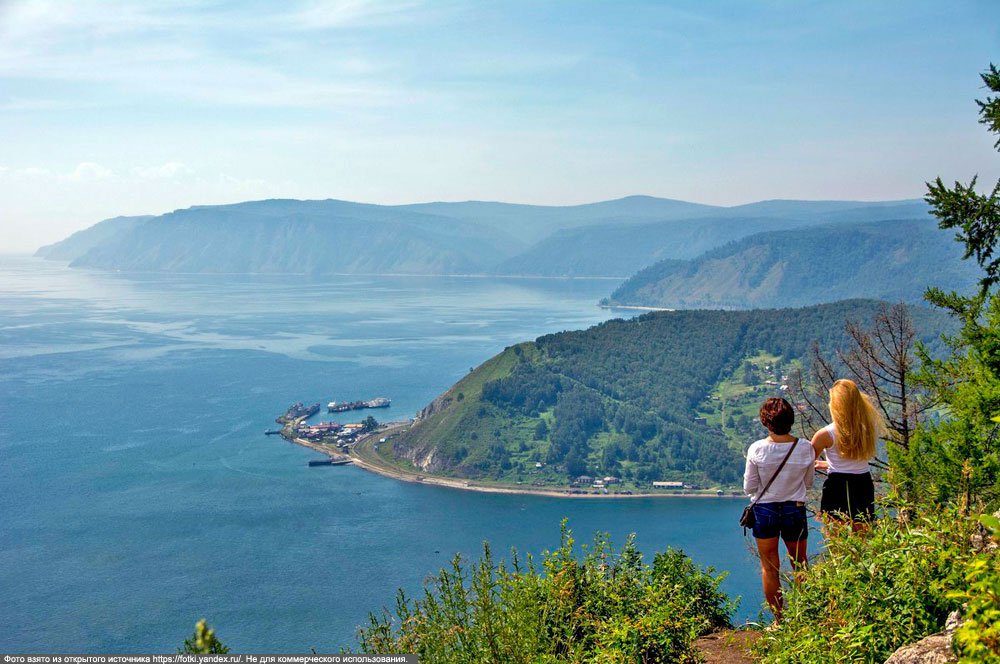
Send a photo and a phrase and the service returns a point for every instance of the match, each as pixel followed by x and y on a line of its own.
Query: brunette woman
pixel 779 468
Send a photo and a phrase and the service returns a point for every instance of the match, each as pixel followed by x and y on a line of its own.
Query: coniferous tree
pixel 959 457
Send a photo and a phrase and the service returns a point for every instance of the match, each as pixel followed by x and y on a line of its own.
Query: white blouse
pixel 763 459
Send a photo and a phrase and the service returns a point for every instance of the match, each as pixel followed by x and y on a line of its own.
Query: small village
pixel 331 438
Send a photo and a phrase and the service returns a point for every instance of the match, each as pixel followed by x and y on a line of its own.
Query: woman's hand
pixel 822 464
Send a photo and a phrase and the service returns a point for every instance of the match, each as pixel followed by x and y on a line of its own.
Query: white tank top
pixel 839 464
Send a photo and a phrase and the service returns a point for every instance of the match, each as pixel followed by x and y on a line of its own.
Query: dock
pixel 329 462
pixel 344 406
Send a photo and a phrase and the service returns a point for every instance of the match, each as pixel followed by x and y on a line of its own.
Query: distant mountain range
pixel 890 260
pixel 609 238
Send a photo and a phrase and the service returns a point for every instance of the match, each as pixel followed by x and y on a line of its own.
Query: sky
pixel 119 108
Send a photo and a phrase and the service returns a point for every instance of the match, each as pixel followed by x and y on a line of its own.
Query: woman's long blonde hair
pixel 858 424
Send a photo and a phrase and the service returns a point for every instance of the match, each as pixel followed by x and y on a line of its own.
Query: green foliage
pixel 978 637
pixel 975 215
pixel 958 457
pixel 620 398
pixel 203 641
pixel 873 592
pixel 601 606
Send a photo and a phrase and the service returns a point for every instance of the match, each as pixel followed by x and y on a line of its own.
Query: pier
pixel 344 406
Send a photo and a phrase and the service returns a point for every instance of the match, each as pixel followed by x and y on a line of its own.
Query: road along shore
pixel 364 456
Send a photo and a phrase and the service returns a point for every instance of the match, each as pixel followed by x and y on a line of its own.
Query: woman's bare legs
pixel 770 568
pixel 800 559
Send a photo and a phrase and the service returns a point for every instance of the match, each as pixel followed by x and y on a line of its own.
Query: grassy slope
pixel 455 419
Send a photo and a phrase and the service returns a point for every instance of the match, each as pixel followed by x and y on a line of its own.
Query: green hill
pixel 890 260
pixel 621 398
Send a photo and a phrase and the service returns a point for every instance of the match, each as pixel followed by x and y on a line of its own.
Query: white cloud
pixel 178 51
pixel 89 170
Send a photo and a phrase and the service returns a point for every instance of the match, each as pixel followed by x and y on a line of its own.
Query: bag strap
pixel 777 472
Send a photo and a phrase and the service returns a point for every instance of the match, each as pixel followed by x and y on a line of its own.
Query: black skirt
pixel 849 495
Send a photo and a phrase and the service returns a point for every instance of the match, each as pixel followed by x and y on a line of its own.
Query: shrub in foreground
pixel 601 606
pixel 874 592
pixel 978 638
pixel 203 641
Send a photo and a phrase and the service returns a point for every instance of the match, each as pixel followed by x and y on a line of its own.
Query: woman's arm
pixel 821 441
pixel 810 474
pixel 751 476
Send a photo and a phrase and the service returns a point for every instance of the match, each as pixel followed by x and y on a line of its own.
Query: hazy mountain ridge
pixel 313 237
pixel 609 238
pixel 892 260
pixel 536 222
pixel 83 241
pixel 623 248
pixel 617 250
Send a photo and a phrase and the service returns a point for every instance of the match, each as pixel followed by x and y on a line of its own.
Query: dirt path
pixel 728 646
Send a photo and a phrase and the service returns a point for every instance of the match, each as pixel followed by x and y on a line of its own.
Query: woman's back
pixel 838 464
pixel 763 459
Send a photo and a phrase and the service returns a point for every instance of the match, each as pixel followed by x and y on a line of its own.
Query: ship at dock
pixel 297 411
pixel 344 406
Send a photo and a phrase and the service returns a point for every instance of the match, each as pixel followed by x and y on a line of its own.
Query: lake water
pixel 139 493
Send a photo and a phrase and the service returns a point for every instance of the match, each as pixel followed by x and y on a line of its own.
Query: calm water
pixel 138 493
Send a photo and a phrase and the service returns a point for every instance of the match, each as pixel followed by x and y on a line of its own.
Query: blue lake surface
pixel 139 493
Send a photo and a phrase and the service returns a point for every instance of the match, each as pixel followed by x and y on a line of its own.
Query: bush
pixel 875 591
pixel 978 639
pixel 602 606
pixel 203 641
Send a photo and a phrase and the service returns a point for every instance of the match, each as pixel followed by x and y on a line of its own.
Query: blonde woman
pixel 849 444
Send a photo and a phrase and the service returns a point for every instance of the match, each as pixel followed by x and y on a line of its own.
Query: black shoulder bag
pixel 747 519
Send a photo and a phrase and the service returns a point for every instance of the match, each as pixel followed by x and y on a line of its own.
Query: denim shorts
pixel 786 520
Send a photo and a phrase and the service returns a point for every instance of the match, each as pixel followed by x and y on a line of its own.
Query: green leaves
pixel 203 641
pixel 872 592
pixel 589 605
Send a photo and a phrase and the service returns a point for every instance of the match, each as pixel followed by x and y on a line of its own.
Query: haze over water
pixel 139 493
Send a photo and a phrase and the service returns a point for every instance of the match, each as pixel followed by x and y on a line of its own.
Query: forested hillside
pixel 617 399
pixel 891 260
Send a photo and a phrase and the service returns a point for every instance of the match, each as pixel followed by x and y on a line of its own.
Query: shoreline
pixel 633 306
pixel 364 458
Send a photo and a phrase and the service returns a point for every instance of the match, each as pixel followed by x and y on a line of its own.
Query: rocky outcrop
pixel 435 406
pixel 934 649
